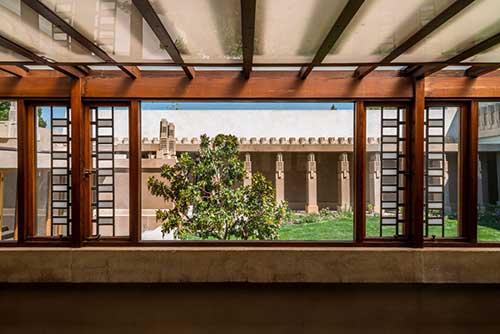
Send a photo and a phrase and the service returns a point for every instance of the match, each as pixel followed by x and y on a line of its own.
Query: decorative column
pixel 374 182
pixel 311 185
pixel 248 170
pixel 344 180
pixel 280 178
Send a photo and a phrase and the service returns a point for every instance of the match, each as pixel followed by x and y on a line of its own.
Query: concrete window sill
pixel 255 265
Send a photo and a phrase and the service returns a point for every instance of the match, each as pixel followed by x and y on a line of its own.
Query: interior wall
pixel 249 309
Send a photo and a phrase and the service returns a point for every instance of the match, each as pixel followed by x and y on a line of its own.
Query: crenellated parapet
pixel 489 120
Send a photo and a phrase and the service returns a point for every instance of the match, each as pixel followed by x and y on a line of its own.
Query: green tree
pixel 209 198
pixel 41 122
pixel 4 110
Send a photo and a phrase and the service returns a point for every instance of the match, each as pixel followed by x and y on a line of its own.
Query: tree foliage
pixel 209 198
pixel 42 123
pixel 4 110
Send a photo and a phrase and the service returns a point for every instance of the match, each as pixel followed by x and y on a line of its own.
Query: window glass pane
pixel 490 55
pixel 380 26
pixel 8 169
pixel 385 171
pixel 304 151
pixel 22 25
pixel 53 171
pixel 114 25
pixel 7 55
pixel 472 25
pixel 203 30
pixel 110 178
pixel 441 191
pixel 291 31
pixel 488 166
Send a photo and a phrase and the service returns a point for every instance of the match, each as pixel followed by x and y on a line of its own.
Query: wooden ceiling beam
pixel 417 37
pixel 14 70
pixel 477 71
pixel 56 20
pixel 350 9
pixel 66 70
pixel 248 34
pixel 148 13
pixel 472 51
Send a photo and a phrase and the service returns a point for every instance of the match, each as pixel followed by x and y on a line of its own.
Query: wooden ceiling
pixel 248 17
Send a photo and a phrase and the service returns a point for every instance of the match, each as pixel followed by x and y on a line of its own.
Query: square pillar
pixel 344 182
pixel 280 178
pixel 311 185
pixel 374 182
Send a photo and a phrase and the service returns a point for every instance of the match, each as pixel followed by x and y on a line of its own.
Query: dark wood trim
pixel 472 51
pixel 149 14
pixel 417 37
pixel 248 34
pixel 359 171
pixel 53 18
pixel 417 163
pixel 14 70
pixel 77 164
pixel 463 171
pixel 477 71
pixel 470 181
pixel 29 166
pixel 24 182
pixel 347 14
pixel 265 85
pixel 135 171
pixel 132 72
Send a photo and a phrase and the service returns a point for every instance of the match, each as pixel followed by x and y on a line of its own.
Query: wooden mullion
pixel 135 170
pixel 417 163
pixel 468 156
pixel 77 165
pixel 360 172
pixel 26 207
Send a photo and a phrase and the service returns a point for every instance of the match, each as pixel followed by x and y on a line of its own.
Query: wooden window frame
pixel 379 88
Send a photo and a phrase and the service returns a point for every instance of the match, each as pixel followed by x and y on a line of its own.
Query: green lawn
pixel 327 228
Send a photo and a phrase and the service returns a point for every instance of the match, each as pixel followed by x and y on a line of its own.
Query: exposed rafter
pixel 476 71
pixel 66 70
pixel 148 13
pixel 248 33
pixel 56 20
pixel 14 70
pixel 426 70
pixel 425 31
pixel 350 9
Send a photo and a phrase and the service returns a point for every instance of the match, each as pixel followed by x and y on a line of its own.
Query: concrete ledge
pixel 258 265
